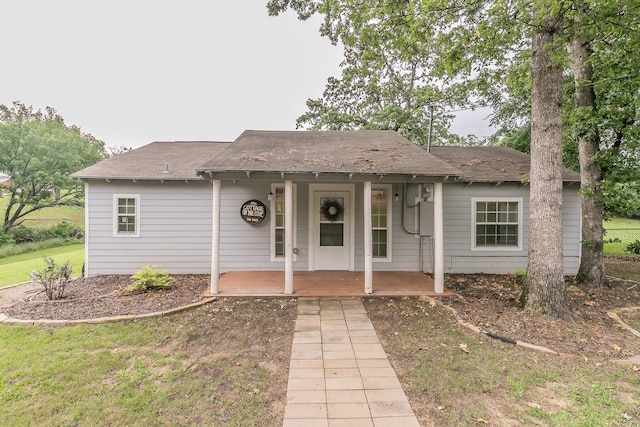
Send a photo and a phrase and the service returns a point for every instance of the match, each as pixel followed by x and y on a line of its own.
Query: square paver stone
pixel 390 409
pixel 305 410
pixel 293 422
pixel 346 396
pixel 348 410
pixel 394 422
pixel 306 396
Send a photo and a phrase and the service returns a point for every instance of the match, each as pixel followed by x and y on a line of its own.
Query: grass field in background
pixel 17 269
pixel 48 217
pixel 627 236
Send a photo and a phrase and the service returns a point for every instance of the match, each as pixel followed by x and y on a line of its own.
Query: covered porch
pixel 326 284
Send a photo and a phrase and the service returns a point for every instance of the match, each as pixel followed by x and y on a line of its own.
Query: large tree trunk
pixel 546 291
pixel 592 271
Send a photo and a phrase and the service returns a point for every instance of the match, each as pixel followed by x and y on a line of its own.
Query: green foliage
pixel 39 151
pixel 633 247
pixel 149 279
pixel 54 278
pixel 64 230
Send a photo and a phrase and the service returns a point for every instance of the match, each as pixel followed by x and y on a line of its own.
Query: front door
pixel 332 240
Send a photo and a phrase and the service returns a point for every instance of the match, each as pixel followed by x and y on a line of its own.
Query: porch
pixel 326 284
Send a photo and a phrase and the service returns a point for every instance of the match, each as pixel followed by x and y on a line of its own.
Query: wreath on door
pixel 332 209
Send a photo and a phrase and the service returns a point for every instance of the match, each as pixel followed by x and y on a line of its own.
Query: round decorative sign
pixel 253 211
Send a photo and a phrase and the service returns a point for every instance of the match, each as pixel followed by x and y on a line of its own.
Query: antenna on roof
pixel 166 168
pixel 430 107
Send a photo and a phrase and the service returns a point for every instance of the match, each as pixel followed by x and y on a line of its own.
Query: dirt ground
pixel 487 301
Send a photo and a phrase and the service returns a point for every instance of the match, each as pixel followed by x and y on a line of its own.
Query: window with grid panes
pixel 497 224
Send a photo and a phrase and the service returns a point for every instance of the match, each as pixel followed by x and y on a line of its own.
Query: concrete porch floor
pixel 326 284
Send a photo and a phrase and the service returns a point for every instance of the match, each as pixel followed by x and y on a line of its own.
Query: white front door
pixel 332 238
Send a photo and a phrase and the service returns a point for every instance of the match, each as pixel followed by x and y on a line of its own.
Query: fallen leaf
pixel 464 348
pixel 590 303
pixel 482 421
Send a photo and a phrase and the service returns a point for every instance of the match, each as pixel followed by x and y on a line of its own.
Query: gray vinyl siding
pixel 458 256
pixel 176 225
pixel 248 246
pixel 175 228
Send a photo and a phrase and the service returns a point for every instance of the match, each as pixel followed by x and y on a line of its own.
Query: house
pixel 6 181
pixel 353 200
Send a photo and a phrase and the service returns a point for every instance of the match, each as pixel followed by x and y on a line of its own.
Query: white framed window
pixel 126 215
pixel 278 221
pixel 381 209
pixel 496 224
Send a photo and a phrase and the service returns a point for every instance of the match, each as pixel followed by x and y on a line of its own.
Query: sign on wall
pixel 253 211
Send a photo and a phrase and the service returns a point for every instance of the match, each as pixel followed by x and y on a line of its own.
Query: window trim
pixel 272 221
pixel 474 202
pixel 389 189
pixel 117 233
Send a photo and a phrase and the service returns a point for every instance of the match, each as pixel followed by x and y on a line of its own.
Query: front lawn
pixel 224 364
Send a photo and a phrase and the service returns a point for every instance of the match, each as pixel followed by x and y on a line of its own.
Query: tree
pixel 471 46
pixel 546 292
pixel 39 151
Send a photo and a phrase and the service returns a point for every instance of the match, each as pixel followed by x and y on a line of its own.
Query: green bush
pixel 149 278
pixel 54 278
pixel 633 247
pixel 63 230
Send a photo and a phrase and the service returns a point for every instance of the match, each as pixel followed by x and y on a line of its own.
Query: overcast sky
pixel 136 71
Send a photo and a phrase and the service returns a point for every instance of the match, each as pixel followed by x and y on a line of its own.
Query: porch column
pixel 215 238
pixel 438 238
pixel 368 238
pixel 288 237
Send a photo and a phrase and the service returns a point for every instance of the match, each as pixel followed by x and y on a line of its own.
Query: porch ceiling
pixel 326 284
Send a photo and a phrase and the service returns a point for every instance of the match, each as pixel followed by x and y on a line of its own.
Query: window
pixel 277 220
pixel 126 215
pixel 497 224
pixel 381 222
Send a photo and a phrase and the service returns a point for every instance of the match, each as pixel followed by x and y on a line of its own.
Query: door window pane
pixel 331 234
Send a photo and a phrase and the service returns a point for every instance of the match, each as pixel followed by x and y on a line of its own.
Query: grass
pixel 49 216
pixel 492 383
pixel 626 236
pixel 186 369
pixel 17 268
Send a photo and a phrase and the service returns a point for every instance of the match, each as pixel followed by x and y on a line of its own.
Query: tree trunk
pixel 592 271
pixel 545 272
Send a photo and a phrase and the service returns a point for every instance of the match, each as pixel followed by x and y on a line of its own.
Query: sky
pixel 130 72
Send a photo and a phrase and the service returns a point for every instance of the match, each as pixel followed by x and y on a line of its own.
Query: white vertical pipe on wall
pixel 87 230
pixel 215 238
pixel 288 237
pixel 438 238
pixel 368 249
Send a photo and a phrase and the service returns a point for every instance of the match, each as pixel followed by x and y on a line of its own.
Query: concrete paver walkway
pixel 339 373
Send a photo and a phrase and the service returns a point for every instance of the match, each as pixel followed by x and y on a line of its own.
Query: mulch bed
pixel 105 296
pixel 490 302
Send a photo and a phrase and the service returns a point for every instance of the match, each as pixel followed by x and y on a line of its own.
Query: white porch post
pixel 368 248
pixel 288 237
pixel 438 238
pixel 215 238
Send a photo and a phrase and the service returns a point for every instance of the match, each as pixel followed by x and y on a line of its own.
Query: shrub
pixel 149 278
pixel 54 278
pixel 5 239
pixel 63 230
pixel 633 247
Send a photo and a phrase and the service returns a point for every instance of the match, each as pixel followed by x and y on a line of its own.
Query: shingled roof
pixel 349 152
pixel 491 164
pixel 148 162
